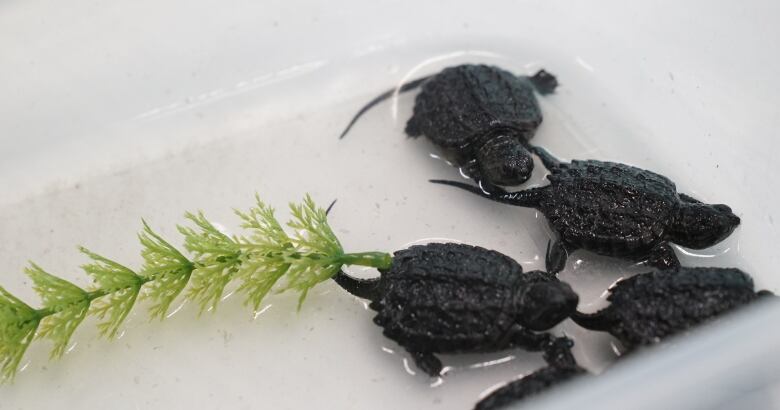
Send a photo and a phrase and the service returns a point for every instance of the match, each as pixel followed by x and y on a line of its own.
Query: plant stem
pixel 379 260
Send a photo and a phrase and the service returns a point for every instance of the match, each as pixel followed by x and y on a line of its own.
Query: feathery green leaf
pixel 168 270
pixel 18 323
pixel 264 258
pixel 312 231
pixel 60 327
pixel 319 250
pixel 118 290
pixel 217 258
pixel 67 302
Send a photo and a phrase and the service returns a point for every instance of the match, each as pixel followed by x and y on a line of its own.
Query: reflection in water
pixel 492 362
pixel 261 311
pixel 212 96
pixel 407 367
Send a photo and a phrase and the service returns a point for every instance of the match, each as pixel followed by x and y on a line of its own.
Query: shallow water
pixel 237 147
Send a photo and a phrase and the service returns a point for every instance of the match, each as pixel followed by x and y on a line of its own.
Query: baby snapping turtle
pixel 561 367
pixel 481 117
pixel 616 210
pixel 648 307
pixel 455 298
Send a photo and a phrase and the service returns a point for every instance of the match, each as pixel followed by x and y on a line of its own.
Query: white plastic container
pixel 110 112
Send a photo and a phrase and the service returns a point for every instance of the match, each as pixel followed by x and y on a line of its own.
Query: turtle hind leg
pixel 427 362
pixel 380 98
pixel 662 257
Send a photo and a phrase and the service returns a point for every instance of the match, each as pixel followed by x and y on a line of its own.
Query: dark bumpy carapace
pixel 560 368
pixel 480 116
pixel 455 298
pixel 616 210
pixel 647 308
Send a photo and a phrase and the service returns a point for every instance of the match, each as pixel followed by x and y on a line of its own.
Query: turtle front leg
pixel 427 362
pixel 662 256
pixel 471 170
pixel 557 254
pixel 549 161
pixel 558 352
pixel 412 127
pixel 518 336
pixel 544 82
pixel 689 199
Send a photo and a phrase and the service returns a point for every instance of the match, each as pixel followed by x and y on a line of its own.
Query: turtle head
pixel 700 225
pixel 543 305
pixel 504 160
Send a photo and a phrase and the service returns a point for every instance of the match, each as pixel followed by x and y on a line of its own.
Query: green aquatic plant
pixel 258 261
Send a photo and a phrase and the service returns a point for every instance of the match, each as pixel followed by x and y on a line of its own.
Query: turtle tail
pixel 544 82
pixel 593 321
pixel 382 97
pixel 528 198
pixel 362 288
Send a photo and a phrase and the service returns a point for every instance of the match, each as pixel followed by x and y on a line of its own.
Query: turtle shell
pixel 609 208
pixel 646 308
pixel 461 106
pixel 449 297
